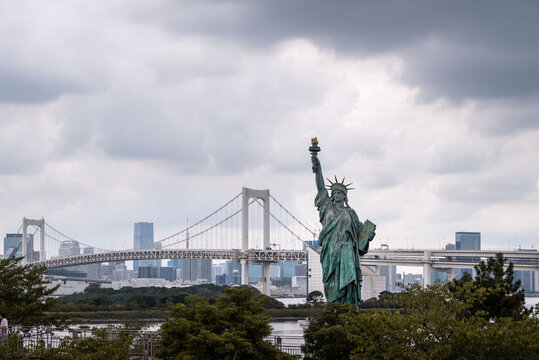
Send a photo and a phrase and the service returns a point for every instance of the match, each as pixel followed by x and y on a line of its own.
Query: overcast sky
pixel 113 112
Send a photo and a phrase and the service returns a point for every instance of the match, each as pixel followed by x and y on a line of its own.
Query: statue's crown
pixel 340 185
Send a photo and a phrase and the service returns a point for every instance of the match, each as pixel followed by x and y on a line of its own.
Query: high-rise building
pixel 13 246
pixel 390 272
pixel 232 266
pixel 301 269
pixel 256 270
pixel 152 272
pixel 288 269
pixel 196 270
pixel 527 278
pixel 143 239
pixel 93 271
pixel 175 263
pixel 69 248
pixel 466 241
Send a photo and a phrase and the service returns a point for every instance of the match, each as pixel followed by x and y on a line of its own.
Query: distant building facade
pixel 143 239
pixel 13 246
pixel 196 270
pixel 466 241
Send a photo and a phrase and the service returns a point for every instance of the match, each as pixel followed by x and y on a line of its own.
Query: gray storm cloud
pixel 159 111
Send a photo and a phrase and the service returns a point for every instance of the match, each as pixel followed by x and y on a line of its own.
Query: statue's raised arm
pixel 317 168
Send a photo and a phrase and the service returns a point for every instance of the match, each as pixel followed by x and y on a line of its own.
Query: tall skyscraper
pixel 390 272
pixel 93 271
pixel 143 239
pixel 196 270
pixel 69 248
pixel 230 267
pixel 466 241
pixel 13 246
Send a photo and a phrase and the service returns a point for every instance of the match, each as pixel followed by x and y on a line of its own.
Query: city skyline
pixel 112 113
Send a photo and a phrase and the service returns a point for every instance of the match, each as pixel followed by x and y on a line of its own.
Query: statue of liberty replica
pixel 344 239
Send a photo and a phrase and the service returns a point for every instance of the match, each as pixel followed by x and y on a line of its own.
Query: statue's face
pixel 338 195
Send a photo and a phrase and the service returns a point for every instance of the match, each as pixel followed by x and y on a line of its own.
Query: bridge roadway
pixel 435 259
pixel 250 255
pixel 448 259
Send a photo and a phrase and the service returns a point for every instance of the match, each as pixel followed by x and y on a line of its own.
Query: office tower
pixel 256 271
pixel 147 272
pixel 390 272
pixel 175 263
pixel 288 269
pixel 232 266
pixel 438 275
pixel 275 271
pixel 13 246
pixel 196 270
pixel 301 269
pixel 143 239
pixel 217 270
pixel 93 271
pixel 167 273
pixel 466 241
pixel 157 272
pixel 69 248
pixel 527 278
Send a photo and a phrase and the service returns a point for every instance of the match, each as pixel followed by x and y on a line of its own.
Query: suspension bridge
pixel 253 227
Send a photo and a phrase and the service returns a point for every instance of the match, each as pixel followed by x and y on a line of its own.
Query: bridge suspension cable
pixel 199 222
pixel 209 228
pixel 284 225
pixel 68 238
pixel 293 217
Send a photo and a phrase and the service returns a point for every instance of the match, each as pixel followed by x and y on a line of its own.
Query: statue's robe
pixel 342 247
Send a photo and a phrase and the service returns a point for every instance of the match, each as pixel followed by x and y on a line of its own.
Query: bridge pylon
pixel 24 251
pixel 263 195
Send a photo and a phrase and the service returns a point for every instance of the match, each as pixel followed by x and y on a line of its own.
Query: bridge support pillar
pixel 263 195
pixel 244 272
pixel 24 242
pixel 267 279
pixel 426 268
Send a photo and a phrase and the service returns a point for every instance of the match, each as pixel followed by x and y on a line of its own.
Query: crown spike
pixel 347 185
pixel 331 182
pixel 336 181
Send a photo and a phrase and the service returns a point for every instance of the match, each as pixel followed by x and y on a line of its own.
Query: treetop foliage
pixel 505 298
pixel 128 298
pixel 458 320
pixel 24 294
pixel 233 328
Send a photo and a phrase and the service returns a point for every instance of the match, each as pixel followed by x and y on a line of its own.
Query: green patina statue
pixel 344 239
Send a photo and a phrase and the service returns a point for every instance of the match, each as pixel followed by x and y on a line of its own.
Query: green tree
pixel 233 328
pixel 506 296
pixel 432 323
pixel 315 296
pixel 97 347
pixel 24 294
